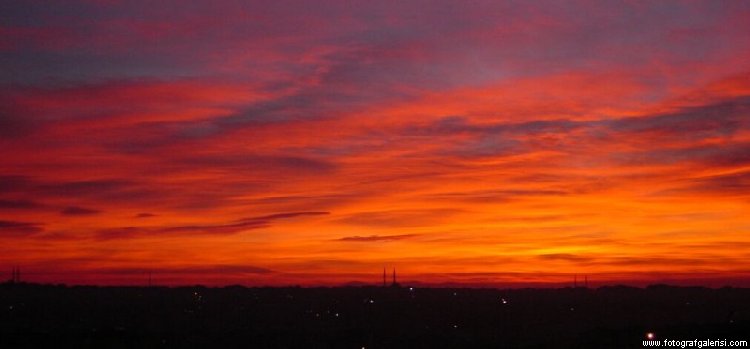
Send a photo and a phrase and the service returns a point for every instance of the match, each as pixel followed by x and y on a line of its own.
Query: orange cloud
pixel 491 145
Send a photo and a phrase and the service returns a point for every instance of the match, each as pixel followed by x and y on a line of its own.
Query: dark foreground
pixel 34 316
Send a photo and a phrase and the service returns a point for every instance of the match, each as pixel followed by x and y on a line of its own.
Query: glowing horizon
pixel 490 143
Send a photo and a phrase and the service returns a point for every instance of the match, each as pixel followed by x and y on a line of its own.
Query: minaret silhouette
pixel 15 275
pixel 384 283
pixel 586 281
pixel 394 283
pixel 575 280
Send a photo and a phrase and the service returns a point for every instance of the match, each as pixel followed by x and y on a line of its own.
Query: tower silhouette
pixel 384 284
pixel 394 283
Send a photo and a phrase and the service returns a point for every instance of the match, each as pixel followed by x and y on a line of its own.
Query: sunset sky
pixel 290 142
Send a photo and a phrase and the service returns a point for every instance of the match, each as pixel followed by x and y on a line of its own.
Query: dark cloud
pixel 711 155
pixel 452 125
pixel 219 269
pixel 315 102
pixel 496 195
pixel 684 128
pixel 241 224
pixel 305 202
pixel 228 228
pixel 202 269
pixel 145 215
pixel 14 228
pixel 736 184
pixel 154 135
pixel 491 139
pixel 14 183
pixel 79 37
pixel 730 155
pixel 178 230
pixel 122 233
pixel 565 257
pixel 78 211
pixel 639 260
pixel 373 238
pixel 260 163
pixel 687 261
pixel 488 146
pixel 542 178
pixel 19 204
pixel 285 108
pixel 399 218
pixel 13 125
pixel 286 215
pixel 151 135
pixel 723 118
pixel 720 119
pixel 84 188
pixel 286 163
pixel 106 189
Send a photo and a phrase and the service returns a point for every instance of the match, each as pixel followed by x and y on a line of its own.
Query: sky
pixel 473 143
